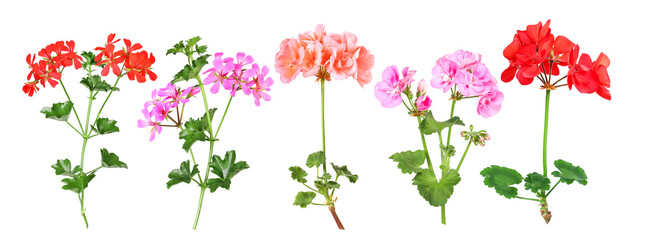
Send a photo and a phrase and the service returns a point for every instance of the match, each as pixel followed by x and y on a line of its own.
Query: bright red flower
pixel 588 76
pixel 30 88
pixel 110 58
pixel 138 66
pixel 71 57
pixel 122 55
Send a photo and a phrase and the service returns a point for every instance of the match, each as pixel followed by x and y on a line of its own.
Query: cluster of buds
pixel 476 137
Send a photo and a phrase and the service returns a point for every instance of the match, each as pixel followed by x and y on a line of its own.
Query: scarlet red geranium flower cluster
pixel 536 51
pixel 56 56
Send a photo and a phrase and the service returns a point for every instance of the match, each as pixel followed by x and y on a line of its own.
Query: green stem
pixel 77 131
pixel 463 158
pixel 73 108
pixel 451 115
pixel 211 142
pixel 551 189
pixel 443 220
pixel 424 145
pixel 197 215
pixel 531 199
pixel 546 133
pixel 312 188
pixel 323 125
pixel 108 97
pixel 223 116
pixel 83 211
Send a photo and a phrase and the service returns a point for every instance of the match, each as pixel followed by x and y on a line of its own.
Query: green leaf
pixel 77 182
pixel 436 192
pixel 183 174
pixel 343 171
pixel 105 126
pixel 299 174
pixel 202 49
pixel 447 153
pixel 316 159
pixel 89 59
pixel 64 167
pixel 182 75
pixel 303 199
pixel 215 183
pixel 536 182
pixel 500 178
pixel 568 173
pixel 191 71
pixel 95 83
pixel 198 64
pixel 429 125
pixel 227 167
pixel 111 160
pixel 193 131
pixel 409 162
pixel 58 111
pixel 192 42
pixel 177 48
pixel 326 176
pixel 332 184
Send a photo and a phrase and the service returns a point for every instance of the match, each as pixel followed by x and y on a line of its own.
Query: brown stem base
pixel 334 215
pixel 545 213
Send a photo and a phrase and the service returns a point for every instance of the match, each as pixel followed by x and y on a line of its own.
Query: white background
pixel 604 137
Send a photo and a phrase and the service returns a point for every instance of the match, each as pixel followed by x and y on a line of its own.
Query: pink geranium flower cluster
pixel 233 76
pixel 164 100
pixel 324 55
pixel 464 72
pixel 389 91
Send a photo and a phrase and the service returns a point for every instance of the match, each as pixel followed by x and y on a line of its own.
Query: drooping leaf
pixel 64 167
pixel 536 182
pixel 183 174
pixel 215 183
pixel 568 173
pixel 111 160
pixel 191 71
pixel 316 159
pixel 501 179
pixel 77 182
pixel 105 126
pixel 58 111
pixel 191 43
pixel 299 174
pixel 408 161
pixel 198 64
pixel 303 199
pixel 429 125
pixel 436 192
pixel 343 171
pixel 227 167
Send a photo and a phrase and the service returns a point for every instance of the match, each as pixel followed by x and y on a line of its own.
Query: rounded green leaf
pixel 536 182
pixel 568 173
pixel 500 178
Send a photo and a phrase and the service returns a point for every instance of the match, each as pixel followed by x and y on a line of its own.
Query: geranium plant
pixel 166 109
pixel 47 68
pixel 324 56
pixel 462 74
pixel 537 53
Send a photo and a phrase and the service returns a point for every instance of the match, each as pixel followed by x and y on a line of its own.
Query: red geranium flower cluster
pixel 56 56
pixel 536 51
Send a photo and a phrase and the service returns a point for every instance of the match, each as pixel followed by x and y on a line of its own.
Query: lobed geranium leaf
pixel 193 131
pixel 202 49
pixel 58 111
pixel 500 178
pixel 64 167
pixel 77 182
pixel 227 167
pixel 182 75
pixel 536 182
pixel 298 174
pixel 105 126
pixel 198 64
pixel 436 192
pixel 568 173
pixel 177 48
pixel 429 125
pixel 111 160
pixel 315 159
pixel 89 59
pixel 95 83
pixel 183 174
pixel 343 171
pixel 215 183
pixel 303 199
pixel 408 161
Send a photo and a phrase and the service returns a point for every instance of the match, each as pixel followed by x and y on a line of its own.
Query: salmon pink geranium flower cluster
pixel 536 52
pixel 324 55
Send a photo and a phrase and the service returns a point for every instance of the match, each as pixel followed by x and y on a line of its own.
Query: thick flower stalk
pixel 52 60
pixel 537 53
pixel 166 109
pixel 325 56
pixel 465 76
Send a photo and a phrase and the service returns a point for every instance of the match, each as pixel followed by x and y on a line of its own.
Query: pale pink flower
pixel 312 59
pixel 288 59
pixel 444 73
pixel 389 90
pixel 365 62
pixel 422 87
pixel 475 80
pixel 489 103
pixel 423 102
pixel 149 123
